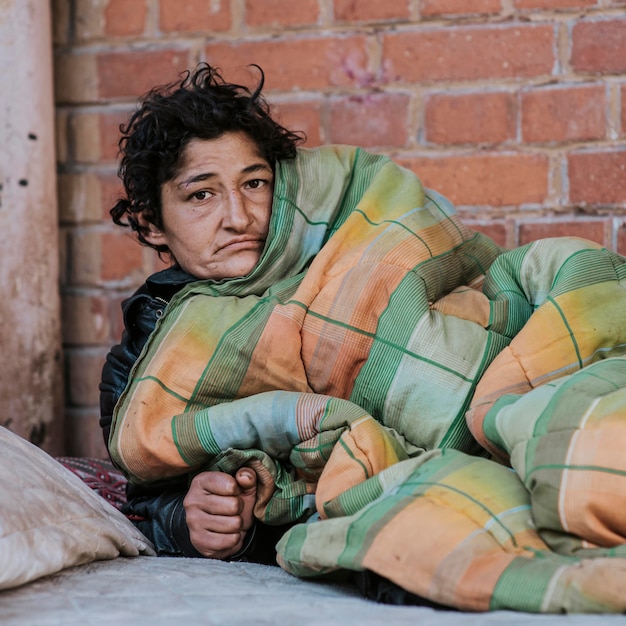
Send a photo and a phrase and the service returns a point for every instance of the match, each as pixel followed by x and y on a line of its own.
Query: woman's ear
pixel 151 233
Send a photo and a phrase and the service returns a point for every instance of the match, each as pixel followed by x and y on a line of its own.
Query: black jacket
pixel 158 510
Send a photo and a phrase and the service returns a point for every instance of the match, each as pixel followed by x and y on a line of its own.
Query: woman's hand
pixel 219 511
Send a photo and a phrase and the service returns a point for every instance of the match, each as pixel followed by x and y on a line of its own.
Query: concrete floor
pixel 189 592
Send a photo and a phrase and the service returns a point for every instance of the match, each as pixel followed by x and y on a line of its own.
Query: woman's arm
pixel 160 512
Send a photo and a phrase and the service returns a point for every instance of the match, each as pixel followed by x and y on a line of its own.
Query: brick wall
pixel 514 109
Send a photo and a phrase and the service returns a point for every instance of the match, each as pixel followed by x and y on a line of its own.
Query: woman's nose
pixel 237 214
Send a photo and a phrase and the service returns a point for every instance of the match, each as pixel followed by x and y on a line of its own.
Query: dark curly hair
pixel 200 105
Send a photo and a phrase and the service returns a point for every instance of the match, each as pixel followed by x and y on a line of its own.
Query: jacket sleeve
pixel 141 312
pixel 160 515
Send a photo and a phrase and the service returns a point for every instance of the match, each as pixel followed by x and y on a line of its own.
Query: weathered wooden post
pixel 30 345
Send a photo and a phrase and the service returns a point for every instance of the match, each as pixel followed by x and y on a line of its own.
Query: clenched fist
pixel 219 510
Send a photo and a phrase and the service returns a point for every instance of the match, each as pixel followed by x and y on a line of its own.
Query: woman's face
pixel 216 210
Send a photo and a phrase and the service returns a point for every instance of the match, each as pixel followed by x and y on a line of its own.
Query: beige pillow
pixel 50 520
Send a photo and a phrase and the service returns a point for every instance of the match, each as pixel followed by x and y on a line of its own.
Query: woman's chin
pixel 245 262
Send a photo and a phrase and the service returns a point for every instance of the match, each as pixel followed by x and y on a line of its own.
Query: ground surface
pixel 190 592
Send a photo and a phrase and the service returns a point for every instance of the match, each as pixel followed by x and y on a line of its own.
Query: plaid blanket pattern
pixel 342 370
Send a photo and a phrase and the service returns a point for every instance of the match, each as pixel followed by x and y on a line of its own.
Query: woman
pixel 198 159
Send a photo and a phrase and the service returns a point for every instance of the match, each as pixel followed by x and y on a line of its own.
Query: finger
pixel 219 524
pixel 247 480
pixel 216 545
pixel 218 483
pixel 212 504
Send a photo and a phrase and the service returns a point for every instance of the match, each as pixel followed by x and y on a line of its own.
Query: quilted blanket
pixel 422 403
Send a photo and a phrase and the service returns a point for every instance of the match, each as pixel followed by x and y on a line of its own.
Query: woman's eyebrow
pixel 255 167
pixel 196 178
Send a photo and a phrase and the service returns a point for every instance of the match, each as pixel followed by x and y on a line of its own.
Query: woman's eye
pixel 200 195
pixel 257 183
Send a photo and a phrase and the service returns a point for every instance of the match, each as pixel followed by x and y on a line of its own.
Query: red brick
pixel 61 12
pixel 83 435
pixel 110 133
pixel 133 73
pixel 621 239
pixel 469 53
pixel 85 319
pixel 79 195
pixel 597 177
pixel 155 263
pixel 83 372
pixel 75 77
pixel 64 268
pixel 83 138
pixel 84 254
pixel 431 8
pixel 62 139
pixel 111 190
pixel 564 113
pixel 281 12
pixel 94 137
pixel 295 64
pixel 124 19
pixel 595 230
pixel 470 118
pixel 194 16
pixel 121 256
pixel 553 4
pixel 371 10
pixel 370 120
pixel 599 47
pixel 498 231
pixel 301 116
pixel 485 179
pixel 623 112
pixel 116 317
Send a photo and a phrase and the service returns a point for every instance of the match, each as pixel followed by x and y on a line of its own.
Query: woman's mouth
pixel 247 243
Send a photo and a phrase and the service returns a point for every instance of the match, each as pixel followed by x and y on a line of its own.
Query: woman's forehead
pixel 230 151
